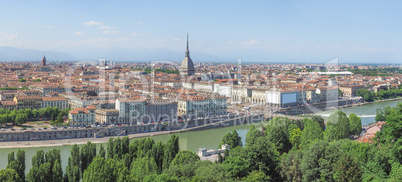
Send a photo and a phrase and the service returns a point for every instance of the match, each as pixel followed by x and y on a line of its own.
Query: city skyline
pixel 309 31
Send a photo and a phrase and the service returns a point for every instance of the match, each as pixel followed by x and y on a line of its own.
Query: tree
pixel 102 169
pixel 355 124
pixel 310 165
pixel 392 130
pixel 22 80
pixel 110 149
pixel 235 165
pixel 295 138
pixel 320 121
pixel 361 92
pixel 397 150
pixel 41 170
pixel 379 163
pixel 117 149
pixel 340 92
pixel 125 142
pixel 57 171
pixel 29 114
pixel 326 164
pixel 88 153
pixel 347 169
pixel 396 173
pixel 208 171
pixel 252 135
pixel 21 119
pixel 312 132
pixel 233 139
pixel 185 157
pixel 35 113
pixel 60 118
pixel 290 166
pixel 278 136
pixel 102 152
pixel 381 114
pixel 338 126
pixel 262 156
pixel 21 164
pixel 256 176
pixel 367 97
pixel 161 177
pixel 143 167
pixel 157 153
pixel 74 164
pixel 171 149
pixel 9 175
pixel 17 164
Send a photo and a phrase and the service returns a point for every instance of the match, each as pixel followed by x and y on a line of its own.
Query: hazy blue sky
pixel 355 31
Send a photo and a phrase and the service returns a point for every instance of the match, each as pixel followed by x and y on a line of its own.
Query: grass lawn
pixel 36 122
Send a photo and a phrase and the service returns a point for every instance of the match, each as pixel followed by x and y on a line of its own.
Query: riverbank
pixel 78 141
pixel 330 105
pixel 360 104
pixel 377 101
pixel 82 141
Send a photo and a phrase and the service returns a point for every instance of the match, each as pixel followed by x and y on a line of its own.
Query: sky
pixel 360 31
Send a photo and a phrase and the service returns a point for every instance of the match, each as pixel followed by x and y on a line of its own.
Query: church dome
pixel 187 63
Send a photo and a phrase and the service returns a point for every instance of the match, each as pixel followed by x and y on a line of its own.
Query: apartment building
pixel 160 110
pixel 130 110
pixel 82 116
pixel 8 105
pixel 327 93
pixel 350 90
pixel 60 102
pixel 107 116
pixel 201 106
pixel 28 102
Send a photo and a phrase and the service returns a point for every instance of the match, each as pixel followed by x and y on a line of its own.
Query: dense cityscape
pixel 191 91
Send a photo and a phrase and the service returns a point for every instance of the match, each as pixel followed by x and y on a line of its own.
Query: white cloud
pixel 6 36
pixel 111 31
pixel 158 40
pixel 48 27
pixel 79 33
pixel 373 49
pixel 251 42
pixel 7 39
pixel 92 23
pixel 137 34
pixel 176 39
pixel 247 43
pixel 140 22
pixel 107 27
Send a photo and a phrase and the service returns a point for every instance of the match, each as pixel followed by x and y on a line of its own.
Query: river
pixel 209 139
pixel 365 112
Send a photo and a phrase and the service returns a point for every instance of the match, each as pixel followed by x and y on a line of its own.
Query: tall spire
pixel 187 50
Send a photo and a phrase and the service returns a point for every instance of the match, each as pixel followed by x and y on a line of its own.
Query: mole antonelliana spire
pixel 187 66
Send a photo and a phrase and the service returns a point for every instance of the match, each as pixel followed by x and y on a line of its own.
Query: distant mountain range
pixel 147 55
pixel 15 54
pixel 8 54
pixel 117 54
